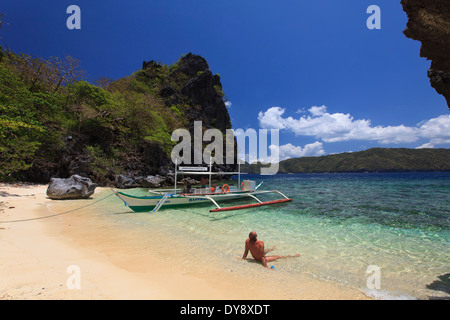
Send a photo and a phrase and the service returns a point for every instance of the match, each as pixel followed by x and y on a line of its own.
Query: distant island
pixel 372 160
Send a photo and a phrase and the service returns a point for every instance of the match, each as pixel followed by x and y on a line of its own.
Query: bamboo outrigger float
pixel 166 198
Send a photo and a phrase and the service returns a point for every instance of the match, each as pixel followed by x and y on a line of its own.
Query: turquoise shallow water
pixel 340 224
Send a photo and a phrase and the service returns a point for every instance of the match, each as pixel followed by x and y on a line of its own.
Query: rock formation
pixel 429 23
pixel 115 133
pixel 74 187
pixel 202 92
pixel 192 85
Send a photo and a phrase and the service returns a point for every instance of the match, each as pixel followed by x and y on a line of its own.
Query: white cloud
pixel 228 104
pixel 336 127
pixel 437 130
pixel 271 119
pixel 288 151
pixel 426 146
pixel 318 111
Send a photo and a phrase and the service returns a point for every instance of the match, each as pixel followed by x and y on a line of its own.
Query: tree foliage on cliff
pixel 53 123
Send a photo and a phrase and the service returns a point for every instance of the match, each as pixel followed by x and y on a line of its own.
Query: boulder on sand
pixel 125 182
pixel 75 187
pixel 150 181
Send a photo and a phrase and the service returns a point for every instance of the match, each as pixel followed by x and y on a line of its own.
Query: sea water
pixel 345 226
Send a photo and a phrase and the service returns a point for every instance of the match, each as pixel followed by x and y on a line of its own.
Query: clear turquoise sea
pixel 340 224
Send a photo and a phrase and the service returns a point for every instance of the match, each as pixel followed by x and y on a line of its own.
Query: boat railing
pixel 161 191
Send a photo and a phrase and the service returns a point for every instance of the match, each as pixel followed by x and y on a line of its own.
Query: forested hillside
pixel 54 124
pixel 372 160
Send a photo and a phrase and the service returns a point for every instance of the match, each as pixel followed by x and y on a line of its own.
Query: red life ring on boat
pixel 225 188
pixel 242 186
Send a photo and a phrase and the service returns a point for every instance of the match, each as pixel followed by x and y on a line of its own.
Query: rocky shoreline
pixel 156 181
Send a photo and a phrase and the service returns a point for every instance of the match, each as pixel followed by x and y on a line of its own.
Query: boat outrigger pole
pixel 252 205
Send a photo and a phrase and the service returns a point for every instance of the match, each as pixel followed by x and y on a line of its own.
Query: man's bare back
pixel 257 251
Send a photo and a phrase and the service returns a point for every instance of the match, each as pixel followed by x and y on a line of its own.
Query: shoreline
pixel 38 258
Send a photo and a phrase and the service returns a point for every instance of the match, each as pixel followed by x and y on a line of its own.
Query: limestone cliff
pixel 429 23
pixel 202 92
pixel 117 132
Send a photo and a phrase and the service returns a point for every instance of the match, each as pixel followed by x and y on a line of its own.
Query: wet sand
pixel 83 256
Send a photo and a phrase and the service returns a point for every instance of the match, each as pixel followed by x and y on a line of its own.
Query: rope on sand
pixel 58 214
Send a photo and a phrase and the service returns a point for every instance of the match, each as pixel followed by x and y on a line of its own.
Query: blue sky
pixel 309 68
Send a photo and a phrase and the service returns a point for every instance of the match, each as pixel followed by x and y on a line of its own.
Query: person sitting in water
pixel 203 181
pixel 187 189
pixel 256 248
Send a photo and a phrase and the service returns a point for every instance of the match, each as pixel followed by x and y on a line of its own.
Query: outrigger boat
pixel 169 198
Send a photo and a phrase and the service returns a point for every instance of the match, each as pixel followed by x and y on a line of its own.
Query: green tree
pixel 65 71
pixel 20 135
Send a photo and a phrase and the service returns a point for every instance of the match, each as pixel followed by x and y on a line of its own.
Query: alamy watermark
pixel 374 21
pixel 374 280
pixel 214 151
pixel 74 280
pixel 74 20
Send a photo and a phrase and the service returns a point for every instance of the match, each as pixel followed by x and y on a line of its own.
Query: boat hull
pixel 145 204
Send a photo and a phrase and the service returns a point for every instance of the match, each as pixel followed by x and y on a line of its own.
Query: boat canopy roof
pixel 204 171
pixel 208 173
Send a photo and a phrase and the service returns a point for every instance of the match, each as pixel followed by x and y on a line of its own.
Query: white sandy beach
pixel 36 255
